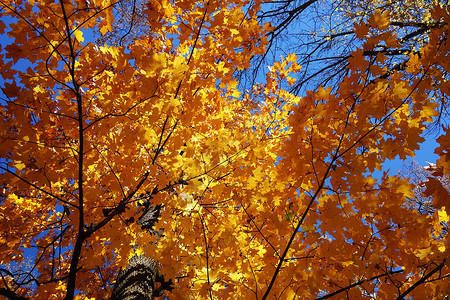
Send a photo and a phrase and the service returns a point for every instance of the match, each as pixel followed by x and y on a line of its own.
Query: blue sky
pixel 423 155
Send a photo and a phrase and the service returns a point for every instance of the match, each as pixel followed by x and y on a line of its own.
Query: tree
pixel 259 193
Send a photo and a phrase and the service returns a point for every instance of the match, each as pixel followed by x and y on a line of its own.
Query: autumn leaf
pixel 380 20
pixel 441 196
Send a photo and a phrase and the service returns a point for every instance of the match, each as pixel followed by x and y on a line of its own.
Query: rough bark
pixel 140 280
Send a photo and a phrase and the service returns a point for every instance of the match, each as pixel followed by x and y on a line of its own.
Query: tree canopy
pixel 256 160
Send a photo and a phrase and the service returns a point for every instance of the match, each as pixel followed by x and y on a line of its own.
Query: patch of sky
pixel 424 155
pixel 22 272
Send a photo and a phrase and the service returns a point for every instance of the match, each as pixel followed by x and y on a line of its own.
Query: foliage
pixel 261 193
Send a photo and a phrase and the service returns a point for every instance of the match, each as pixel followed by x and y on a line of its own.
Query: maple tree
pixel 259 193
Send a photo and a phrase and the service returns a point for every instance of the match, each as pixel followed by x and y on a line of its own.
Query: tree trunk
pixel 137 280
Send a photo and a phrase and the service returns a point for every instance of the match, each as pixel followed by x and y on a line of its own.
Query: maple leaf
pixel 361 30
pixel 441 196
pixel 380 20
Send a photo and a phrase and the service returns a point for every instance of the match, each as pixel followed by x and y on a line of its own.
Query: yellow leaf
pixel 19 166
pixel 422 253
pixel 139 251
pixel 406 189
pixel 79 35
pixel 235 276
pixel 291 57
pixel 443 217
pixel 291 80
pixel 38 89
pixel 380 20
pixel 323 93
pixel 290 294
pixel 429 111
